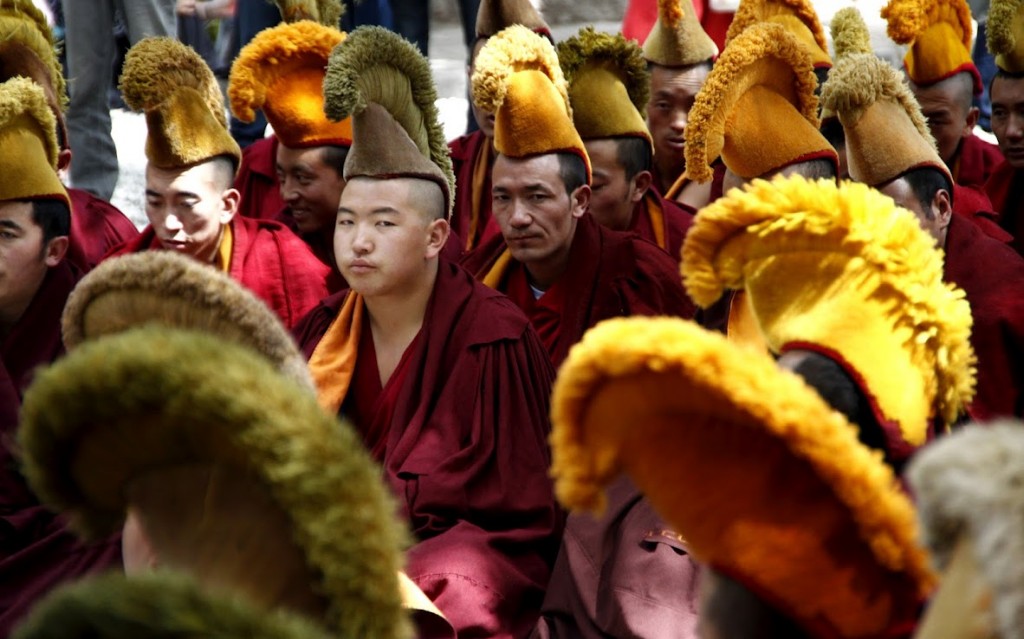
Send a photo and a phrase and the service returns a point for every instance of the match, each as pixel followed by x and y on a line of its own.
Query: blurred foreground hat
pixel 677 39
pixel 938 33
pixel 1005 34
pixel 766 483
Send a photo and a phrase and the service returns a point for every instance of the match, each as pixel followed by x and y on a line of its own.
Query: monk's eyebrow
pixel 10 224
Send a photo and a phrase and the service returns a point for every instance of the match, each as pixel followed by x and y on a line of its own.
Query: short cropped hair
pixel 817 169
pixel 634 154
pixel 52 216
pixel 572 170
pixel 926 182
pixel 334 156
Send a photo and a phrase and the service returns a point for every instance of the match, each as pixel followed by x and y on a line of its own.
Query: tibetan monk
pixel 992 276
pixel 1006 185
pixel 257 180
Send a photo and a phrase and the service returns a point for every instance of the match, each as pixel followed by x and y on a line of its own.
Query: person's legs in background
pixel 468 10
pixel 251 17
pixel 987 67
pixel 412 21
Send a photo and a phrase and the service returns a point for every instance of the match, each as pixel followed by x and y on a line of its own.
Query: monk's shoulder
pixel 464 147
pixel 489 315
pixel 309 330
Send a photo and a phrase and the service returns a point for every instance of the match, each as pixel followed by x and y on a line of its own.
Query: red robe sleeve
pixel 257 180
pixel 97 226
pixel 1005 188
pixel 976 161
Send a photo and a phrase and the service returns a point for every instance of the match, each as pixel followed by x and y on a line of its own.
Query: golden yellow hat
pixel 757 110
pixel 281 71
pixel 608 84
pixel 1005 34
pixel 177 91
pixel 843 271
pixel 495 16
pixel 939 35
pixel 677 39
pixel 517 78
pixel 886 134
pixel 763 479
pixel 28 49
pixel 149 403
pixel 384 84
pixel 28 137
pixel 325 12
pixel 797 16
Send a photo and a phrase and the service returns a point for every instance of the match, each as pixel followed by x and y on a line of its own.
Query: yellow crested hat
pixel 843 271
pixel 325 12
pixel 886 134
pixel 797 16
pixel 1005 34
pixel 28 49
pixel 28 137
pixel 757 110
pixel 939 35
pixel 608 84
pixel 384 84
pixel 517 78
pixel 173 425
pixel 178 92
pixel 494 16
pixel 281 71
pixel 677 39
pixel 766 483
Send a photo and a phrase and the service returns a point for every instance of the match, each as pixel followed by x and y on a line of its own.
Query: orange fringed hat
pixel 677 39
pixel 763 479
pixel 185 116
pixel 28 137
pixel 757 109
pixel 517 78
pixel 939 35
pixel 886 134
pixel 384 84
pixel 843 271
pixel 495 16
pixel 608 84
pixel 281 71
pixel 1005 34
pixel 28 49
pixel 797 16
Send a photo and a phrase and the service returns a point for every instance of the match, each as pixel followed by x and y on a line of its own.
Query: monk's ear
pixel 55 250
pixel 63 160
pixel 972 119
pixel 580 200
pixel 229 201
pixel 641 182
pixel 437 236
pixel 943 208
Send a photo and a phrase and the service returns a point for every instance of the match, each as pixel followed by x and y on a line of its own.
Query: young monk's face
pixel 387 233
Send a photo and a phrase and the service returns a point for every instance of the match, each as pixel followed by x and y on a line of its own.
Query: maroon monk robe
pixel 97 226
pixel 992 276
pixel 1006 190
pixel 975 161
pixel 624 575
pixel 37 552
pixel 473 195
pixel 270 261
pixel 610 274
pixel 671 219
pixel 465 451
pixel 257 180
pixel 321 246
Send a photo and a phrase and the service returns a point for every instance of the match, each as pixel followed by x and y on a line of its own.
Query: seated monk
pixel 552 258
pixel 36 550
pixel 399 351
pixel 608 86
pixel 28 50
pixel 190 202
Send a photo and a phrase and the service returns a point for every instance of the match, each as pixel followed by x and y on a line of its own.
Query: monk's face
pixel 536 214
pixel 1008 118
pixel 310 186
pixel 947 107
pixel 24 259
pixel 188 208
pixel 388 234
pixel 672 93
pixel 614 195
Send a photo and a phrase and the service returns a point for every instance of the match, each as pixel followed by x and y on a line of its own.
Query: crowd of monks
pixel 358 380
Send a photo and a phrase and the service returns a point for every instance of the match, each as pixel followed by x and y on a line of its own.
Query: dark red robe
pixel 973 203
pixel 465 152
pixel 624 575
pixel 96 227
pixel 270 261
pixel 320 246
pixel 676 220
pixel 975 161
pixel 37 552
pixel 257 180
pixel 992 276
pixel 465 450
pixel 610 274
pixel 1006 190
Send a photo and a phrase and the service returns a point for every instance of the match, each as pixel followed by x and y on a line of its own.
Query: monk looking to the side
pixel 552 258
pixel 608 86
pixel 445 379
pixel 190 201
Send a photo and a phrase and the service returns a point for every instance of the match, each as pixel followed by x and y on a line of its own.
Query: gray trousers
pixel 89 27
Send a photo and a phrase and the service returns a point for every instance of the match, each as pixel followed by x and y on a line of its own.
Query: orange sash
pixel 498 270
pixel 481 168
pixel 676 187
pixel 333 362
pixel 223 258
pixel 657 220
